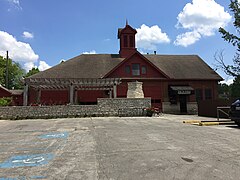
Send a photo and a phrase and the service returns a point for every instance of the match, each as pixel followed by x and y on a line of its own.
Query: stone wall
pixel 105 107
pixel 167 107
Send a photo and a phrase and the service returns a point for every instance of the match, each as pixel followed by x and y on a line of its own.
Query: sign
pixel 184 92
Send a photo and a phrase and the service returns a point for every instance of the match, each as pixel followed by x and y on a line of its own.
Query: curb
pixel 215 123
pixel 191 121
pixel 208 123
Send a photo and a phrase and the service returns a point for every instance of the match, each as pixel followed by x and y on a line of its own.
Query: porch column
pixel 110 93
pixel 75 96
pixel 114 91
pixel 25 95
pixel 71 94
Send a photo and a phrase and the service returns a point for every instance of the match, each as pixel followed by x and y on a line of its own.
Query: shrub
pixel 5 101
pixel 149 112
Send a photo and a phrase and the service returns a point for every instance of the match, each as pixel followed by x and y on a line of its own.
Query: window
pixel 127 69
pixel 131 41
pixel 135 69
pixel 144 70
pixel 208 94
pixel 199 94
pixel 125 40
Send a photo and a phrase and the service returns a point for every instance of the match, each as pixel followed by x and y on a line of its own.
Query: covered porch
pixel 72 86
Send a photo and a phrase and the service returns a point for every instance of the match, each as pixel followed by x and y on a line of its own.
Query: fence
pixel 209 107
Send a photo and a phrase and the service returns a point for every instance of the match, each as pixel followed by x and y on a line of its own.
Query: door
pixel 183 104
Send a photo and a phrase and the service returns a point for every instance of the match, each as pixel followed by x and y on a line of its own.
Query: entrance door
pixel 183 103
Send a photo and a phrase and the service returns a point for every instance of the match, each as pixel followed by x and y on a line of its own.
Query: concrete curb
pixel 208 123
pixel 191 121
pixel 216 123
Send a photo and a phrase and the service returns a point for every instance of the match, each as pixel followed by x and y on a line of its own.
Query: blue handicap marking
pixel 23 178
pixel 18 178
pixel 38 177
pixel 27 160
pixel 54 135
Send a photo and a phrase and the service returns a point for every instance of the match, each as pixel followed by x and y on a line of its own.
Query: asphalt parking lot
pixel 118 148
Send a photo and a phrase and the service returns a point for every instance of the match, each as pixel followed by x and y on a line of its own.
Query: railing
pixel 221 109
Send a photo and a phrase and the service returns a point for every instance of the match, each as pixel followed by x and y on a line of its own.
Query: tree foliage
pixel 15 73
pixel 235 87
pixel 33 71
pixel 232 70
pixel 5 101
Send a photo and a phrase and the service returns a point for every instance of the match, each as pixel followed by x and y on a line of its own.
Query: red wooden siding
pixel 151 72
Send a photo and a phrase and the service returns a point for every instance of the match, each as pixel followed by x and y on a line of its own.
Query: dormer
pixel 127 41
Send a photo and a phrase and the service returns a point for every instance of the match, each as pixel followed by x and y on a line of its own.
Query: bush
pixel 149 112
pixel 5 101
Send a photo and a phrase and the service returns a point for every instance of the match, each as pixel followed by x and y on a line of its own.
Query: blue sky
pixel 41 32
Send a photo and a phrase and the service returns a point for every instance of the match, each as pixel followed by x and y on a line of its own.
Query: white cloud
pixel 28 35
pixel 90 52
pixel 18 51
pixel 28 66
pixel 187 38
pixel 148 37
pixel 62 60
pixel 200 18
pixel 15 3
pixel 43 66
pixel 227 81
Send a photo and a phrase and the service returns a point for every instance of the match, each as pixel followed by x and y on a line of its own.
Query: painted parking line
pixel 23 178
pixel 27 160
pixel 61 135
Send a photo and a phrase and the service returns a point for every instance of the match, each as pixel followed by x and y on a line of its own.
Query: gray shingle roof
pixel 183 66
pixel 98 65
pixel 83 66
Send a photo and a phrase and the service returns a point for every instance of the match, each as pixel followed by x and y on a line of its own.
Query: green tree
pixel 15 74
pixel 224 91
pixel 32 72
pixel 232 70
pixel 235 88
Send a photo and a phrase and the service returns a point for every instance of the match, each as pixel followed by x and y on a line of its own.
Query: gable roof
pixel 83 66
pixel 184 67
pixel 142 57
pixel 5 89
pixel 12 92
pixel 99 65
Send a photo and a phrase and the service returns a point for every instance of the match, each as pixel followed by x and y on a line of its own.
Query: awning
pixel 182 89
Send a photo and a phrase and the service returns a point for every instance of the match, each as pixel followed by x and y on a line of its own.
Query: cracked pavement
pixel 115 148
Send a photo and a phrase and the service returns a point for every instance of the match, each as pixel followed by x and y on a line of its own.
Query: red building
pixel 174 82
pixel 16 95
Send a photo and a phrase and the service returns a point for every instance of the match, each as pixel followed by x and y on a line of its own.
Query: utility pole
pixel 7 71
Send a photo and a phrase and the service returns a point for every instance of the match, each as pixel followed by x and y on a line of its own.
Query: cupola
pixel 127 40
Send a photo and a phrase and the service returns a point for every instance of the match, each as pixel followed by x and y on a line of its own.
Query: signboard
pixel 184 92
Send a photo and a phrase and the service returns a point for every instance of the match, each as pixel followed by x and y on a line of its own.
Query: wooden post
pixel 71 94
pixel 25 95
pixel 110 93
pixel 76 96
pixel 114 91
